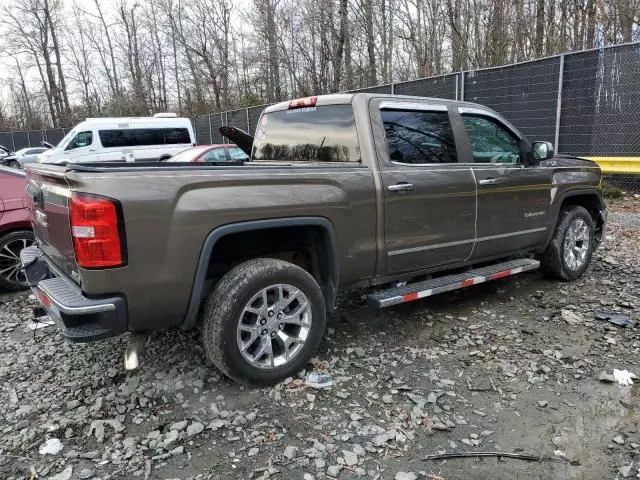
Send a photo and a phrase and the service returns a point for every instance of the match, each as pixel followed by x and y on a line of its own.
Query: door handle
pixel 489 181
pixel 400 187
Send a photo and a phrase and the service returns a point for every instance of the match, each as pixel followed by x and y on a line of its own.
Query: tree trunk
pixel 64 97
pixel 591 24
pixel 371 46
pixel 627 13
pixel 457 53
pixel 23 88
pixel 552 32
pixel 540 22
pixel 114 71
pixel 348 61
pixel 339 52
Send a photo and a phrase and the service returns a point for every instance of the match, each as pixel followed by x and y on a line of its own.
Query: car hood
pixel 42 156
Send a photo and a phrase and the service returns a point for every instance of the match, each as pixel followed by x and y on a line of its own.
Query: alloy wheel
pixel 274 326
pixel 577 242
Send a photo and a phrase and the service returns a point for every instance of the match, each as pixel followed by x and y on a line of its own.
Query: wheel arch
pixel 17 226
pixel 329 289
pixel 587 198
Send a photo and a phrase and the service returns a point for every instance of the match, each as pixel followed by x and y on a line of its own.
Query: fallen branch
pixel 519 456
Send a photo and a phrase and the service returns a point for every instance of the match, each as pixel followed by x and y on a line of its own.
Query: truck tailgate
pixel 48 196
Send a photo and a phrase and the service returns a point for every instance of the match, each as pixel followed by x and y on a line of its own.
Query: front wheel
pixel 263 321
pixel 571 247
pixel 14 164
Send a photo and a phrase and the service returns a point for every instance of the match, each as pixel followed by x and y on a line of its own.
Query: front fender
pixel 590 195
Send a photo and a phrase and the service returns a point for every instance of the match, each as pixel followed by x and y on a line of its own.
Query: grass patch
pixel 611 191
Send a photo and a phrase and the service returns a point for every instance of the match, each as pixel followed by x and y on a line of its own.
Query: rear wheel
pixel 570 250
pixel 11 274
pixel 263 321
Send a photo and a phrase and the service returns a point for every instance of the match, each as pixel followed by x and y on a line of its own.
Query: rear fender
pixel 197 292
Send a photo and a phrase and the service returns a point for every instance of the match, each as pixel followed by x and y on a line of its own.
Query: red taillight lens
pixel 303 102
pixel 94 228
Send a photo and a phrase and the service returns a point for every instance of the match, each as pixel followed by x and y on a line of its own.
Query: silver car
pixel 22 157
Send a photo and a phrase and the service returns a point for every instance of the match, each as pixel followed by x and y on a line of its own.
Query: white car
pixel 135 139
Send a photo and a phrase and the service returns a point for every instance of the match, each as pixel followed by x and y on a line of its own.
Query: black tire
pixel 10 243
pixel 552 260
pixel 14 164
pixel 224 307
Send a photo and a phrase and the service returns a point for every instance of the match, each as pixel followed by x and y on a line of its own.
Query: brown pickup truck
pixel 408 196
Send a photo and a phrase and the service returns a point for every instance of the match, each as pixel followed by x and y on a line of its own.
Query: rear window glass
pixel 314 134
pixel 137 137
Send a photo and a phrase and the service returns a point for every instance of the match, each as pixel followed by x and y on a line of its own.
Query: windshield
pixel 22 151
pixel 188 155
pixel 313 134
pixel 66 138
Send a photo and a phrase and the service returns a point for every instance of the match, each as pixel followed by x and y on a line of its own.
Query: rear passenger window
pixel 236 153
pixel 138 137
pixel 215 155
pixel 415 137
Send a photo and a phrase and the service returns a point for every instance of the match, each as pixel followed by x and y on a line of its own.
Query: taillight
pixel 95 232
pixel 303 102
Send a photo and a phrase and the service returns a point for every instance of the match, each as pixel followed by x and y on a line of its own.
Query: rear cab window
pixel 324 133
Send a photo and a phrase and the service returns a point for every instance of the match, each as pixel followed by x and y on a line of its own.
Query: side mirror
pixel 542 151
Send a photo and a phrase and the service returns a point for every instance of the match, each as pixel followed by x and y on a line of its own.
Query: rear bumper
pixel 81 319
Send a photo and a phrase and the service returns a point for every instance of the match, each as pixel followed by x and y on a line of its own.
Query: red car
pixel 211 153
pixel 15 228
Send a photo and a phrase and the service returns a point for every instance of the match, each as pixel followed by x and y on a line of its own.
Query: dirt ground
pixel 510 366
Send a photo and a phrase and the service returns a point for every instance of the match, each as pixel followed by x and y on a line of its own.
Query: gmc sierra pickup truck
pixel 407 196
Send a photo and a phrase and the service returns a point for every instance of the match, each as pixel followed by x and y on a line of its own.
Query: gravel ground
pixel 623 219
pixel 510 366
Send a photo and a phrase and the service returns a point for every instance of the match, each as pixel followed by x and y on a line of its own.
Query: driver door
pixel 513 199
pixel 80 147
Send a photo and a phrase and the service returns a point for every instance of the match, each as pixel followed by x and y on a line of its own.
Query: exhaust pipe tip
pixel 134 350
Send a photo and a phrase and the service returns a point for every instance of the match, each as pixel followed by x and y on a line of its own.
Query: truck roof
pixel 134 120
pixel 343 98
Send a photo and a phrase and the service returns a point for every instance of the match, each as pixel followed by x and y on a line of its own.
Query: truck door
pixel 429 199
pixel 513 199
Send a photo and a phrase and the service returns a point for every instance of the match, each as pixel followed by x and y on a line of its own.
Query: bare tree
pixel 135 57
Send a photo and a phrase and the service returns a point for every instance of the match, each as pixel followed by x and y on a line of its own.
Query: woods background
pixel 65 61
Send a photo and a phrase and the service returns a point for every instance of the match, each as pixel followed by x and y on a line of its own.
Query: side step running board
pixel 427 288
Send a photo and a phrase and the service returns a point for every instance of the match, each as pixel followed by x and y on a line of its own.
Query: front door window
pixel 82 139
pixel 490 141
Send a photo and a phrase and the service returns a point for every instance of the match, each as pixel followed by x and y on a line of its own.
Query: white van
pixel 123 139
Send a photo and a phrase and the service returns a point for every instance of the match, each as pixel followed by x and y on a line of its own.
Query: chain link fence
pixel 585 103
